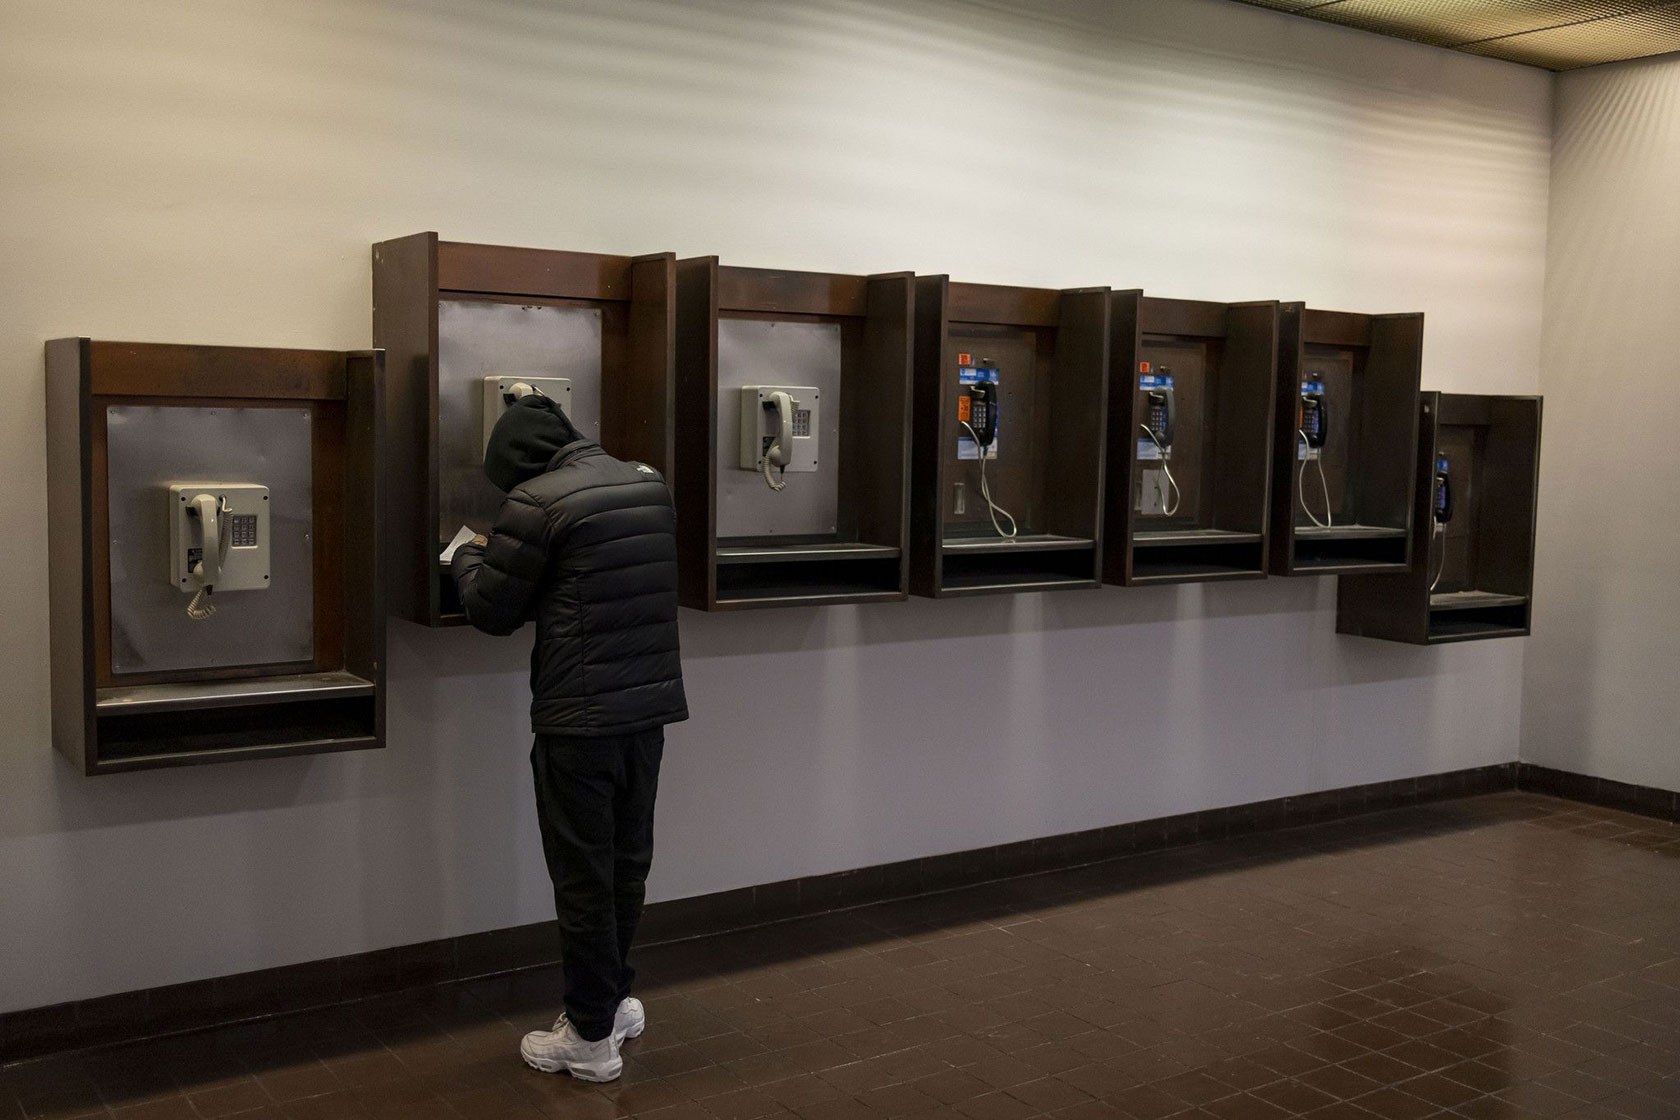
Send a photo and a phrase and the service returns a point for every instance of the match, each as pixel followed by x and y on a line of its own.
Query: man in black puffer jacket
pixel 585 546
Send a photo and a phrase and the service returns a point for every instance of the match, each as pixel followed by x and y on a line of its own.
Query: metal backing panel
pixel 477 339
pixel 1556 34
pixel 769 352
pixel 149 448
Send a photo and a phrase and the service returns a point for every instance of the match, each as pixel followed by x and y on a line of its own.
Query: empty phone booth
pixel 793 399
pixel 1011 419
pixel 1344 450
pixel 1190 403
pixel 1472 574
pixel 214 555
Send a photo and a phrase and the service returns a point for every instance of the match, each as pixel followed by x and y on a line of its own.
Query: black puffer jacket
pixel 586 548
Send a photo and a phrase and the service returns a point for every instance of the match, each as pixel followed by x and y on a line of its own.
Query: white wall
pixel 215 171
pixel 1601 694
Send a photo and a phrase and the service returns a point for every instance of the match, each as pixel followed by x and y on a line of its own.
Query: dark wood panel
pixel 508 270
pixel 1469 409
pixel 1076 443
pixel 330 508
pixel 1510 481
pixel 1335 328
pixel 778 291
pixel 648 429
pixel 1125 351
pixel 153 369
pixel 1388 433
pixel 363 590
pixel 1285 482
pixel 405 327
pixel 70 553
pixel 1246 387
pixel 995 303
pixel 880 443
pixel 927 470
pixel 696 430
pixel 1182 316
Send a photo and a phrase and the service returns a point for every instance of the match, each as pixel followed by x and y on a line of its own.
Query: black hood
pixel 526 439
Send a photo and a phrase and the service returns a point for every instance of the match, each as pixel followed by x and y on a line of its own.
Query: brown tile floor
pixel 1504 956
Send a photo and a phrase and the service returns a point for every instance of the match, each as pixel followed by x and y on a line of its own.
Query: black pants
pixel 595 805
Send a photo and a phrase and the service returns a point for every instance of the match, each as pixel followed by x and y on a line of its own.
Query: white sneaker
pixel 629 1021
pixel 563 1050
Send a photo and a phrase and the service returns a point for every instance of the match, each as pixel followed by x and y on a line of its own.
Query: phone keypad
pixel 243 530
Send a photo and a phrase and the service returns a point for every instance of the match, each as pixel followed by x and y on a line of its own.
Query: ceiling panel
pixel 1588 44
pixel 1556 34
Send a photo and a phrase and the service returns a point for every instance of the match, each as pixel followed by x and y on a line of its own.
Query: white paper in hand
pixel 462 536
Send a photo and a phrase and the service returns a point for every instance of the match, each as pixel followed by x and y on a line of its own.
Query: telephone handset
pixel 983 413
pixel 1312 424
pixel 1163 410
pixel 780 451
pixel 1441 510
pixel 218 541
pixel 977 414
pixel 207 510
pixel 1160 420
pixel 780 427
pixel 1314 418
pixel 1443 492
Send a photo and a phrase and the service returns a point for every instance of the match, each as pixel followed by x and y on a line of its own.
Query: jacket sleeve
pixel 498 583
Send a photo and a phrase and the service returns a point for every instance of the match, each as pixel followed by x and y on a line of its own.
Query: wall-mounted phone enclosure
pixel 289 445
pixel 1481 560
pixel 451 315
pixel 238 535
pixel 1221 361
pixel 501 392
pixel 1365 369
pixel 840 345
pixel 760 424
pixel 1044 354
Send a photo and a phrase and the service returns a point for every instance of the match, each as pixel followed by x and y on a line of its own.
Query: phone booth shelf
pixel 1190 504
pixel 1472 573
pixel 1344 446
pixel 793 399
pixel 218 592
pixel 1015 504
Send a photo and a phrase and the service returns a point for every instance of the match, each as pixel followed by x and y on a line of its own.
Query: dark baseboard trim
pixel 1645 800
pixel 256 995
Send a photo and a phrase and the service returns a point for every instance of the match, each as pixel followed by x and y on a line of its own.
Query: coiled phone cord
pixel 986 491
pixel 776 484
pixel 1178 495
pixel 1323 484
pixel 200 608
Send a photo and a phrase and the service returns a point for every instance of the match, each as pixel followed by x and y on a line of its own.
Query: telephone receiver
pixel 206 509
pixel 1313 419
pixel 983 412
pixel 520 390
pixel 780 451
pixel 1443 493
pixel 1163 414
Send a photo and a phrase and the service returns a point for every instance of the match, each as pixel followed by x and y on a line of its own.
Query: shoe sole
pixel 598 1076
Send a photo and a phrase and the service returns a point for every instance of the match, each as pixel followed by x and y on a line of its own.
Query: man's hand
pixel 481 541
